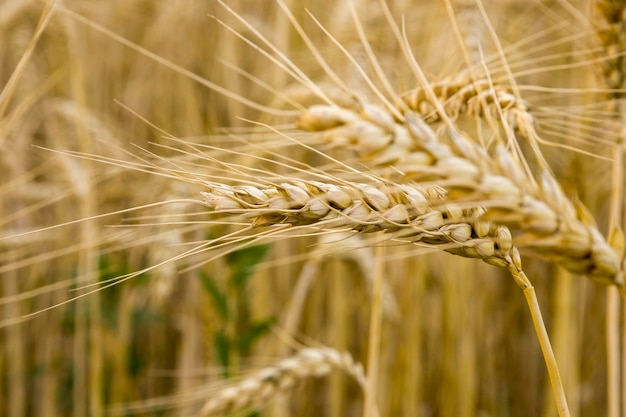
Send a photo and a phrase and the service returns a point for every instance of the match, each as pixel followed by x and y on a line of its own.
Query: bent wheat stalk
pixel 542 335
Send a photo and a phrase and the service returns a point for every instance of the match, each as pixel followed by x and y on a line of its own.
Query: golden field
pixel 122 293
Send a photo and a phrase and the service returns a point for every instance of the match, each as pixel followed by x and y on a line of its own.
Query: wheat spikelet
pixel 258 389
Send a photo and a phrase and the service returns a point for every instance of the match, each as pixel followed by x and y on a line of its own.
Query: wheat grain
pixel 258 389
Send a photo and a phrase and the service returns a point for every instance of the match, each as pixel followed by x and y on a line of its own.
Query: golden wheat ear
pixel 543 220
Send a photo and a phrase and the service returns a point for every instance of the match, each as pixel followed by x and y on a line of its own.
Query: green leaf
pixel 221 342
pixel 244 261
pixel 217 295
pixel 254 332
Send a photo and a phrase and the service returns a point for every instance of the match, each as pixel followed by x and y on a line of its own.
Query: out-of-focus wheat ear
pixel 260 388
pixel 610 30
pixel 499 105
pixel 7 92
pixel 462 95
pixel 468 25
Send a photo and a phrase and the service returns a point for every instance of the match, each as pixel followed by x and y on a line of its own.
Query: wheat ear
pixel 258 389
pixel 412 213
pixel 508 114
pixel 542 218
pixel 407 210
pixel 460 96
pixel 610 32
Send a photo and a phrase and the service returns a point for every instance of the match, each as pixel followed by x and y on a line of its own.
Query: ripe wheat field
pixel 306 208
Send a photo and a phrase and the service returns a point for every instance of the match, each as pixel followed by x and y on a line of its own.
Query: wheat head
pixel 538 213
pixel 258 389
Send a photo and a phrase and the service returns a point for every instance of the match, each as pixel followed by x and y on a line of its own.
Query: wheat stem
pixel 373 353
pixel 544 340
pixel 609 29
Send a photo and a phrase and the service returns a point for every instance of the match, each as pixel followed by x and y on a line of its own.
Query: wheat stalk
pixel 258 389
pixel 609 28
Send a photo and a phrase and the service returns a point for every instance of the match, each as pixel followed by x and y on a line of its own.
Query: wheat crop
pixel 190 189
